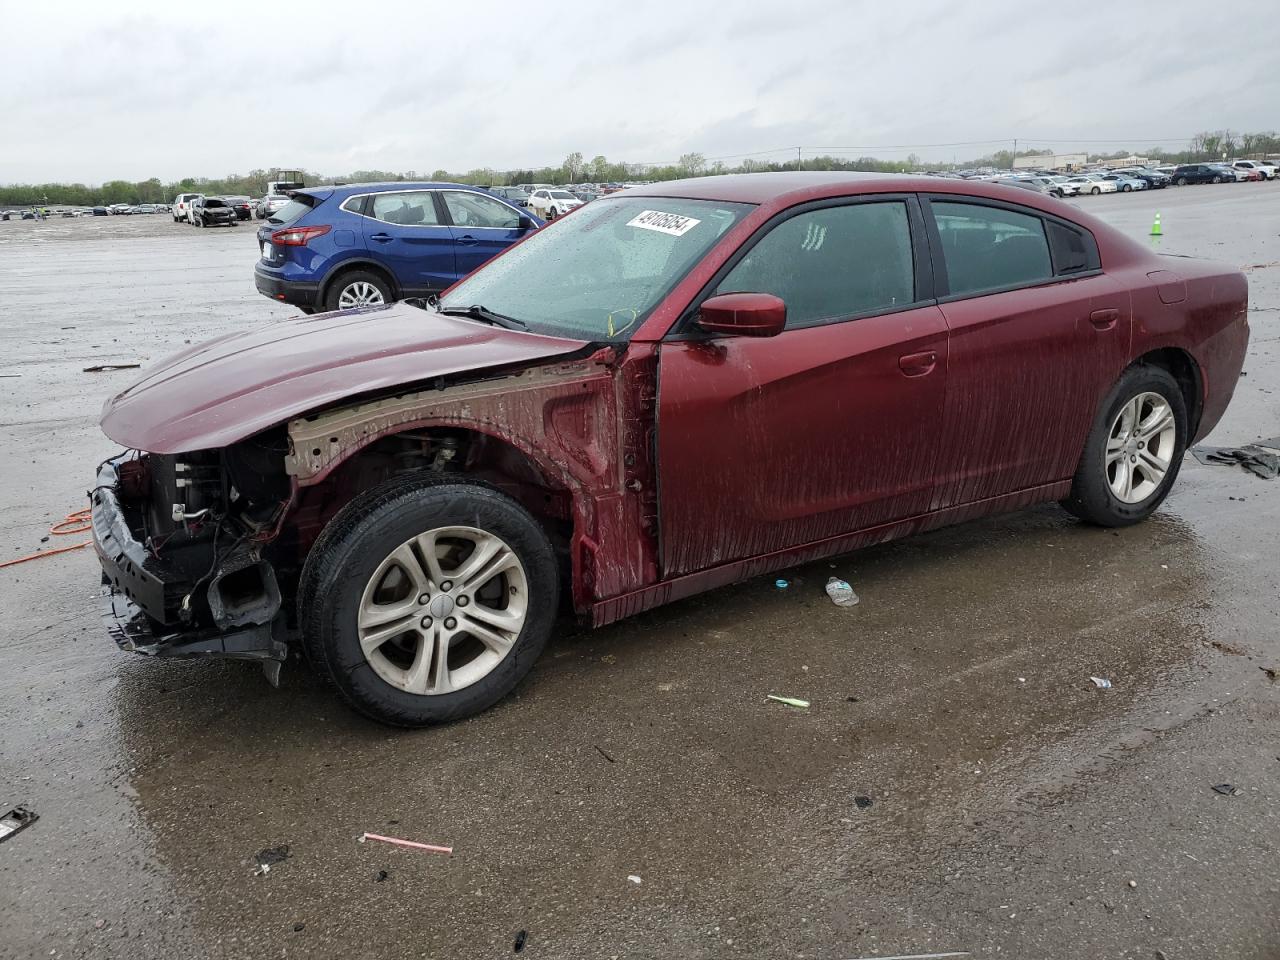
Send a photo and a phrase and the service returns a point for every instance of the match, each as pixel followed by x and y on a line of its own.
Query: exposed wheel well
pixel 1183 367
pixel 363 266
pixel 443 452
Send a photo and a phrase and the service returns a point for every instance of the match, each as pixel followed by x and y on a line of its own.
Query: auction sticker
pixel 669 223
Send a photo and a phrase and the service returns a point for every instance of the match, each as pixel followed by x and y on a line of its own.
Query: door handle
pixel 382 237
pixel 467 240
pixel 1105 319
pixel 918 364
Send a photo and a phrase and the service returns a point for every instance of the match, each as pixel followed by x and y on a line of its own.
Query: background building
pixel 1051 161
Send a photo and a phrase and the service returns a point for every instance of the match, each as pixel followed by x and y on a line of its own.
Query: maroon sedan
pixel 676 388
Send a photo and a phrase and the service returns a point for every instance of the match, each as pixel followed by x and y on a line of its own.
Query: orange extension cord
pixel 78 522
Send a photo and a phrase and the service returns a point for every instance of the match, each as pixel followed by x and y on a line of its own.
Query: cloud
pixel 137 89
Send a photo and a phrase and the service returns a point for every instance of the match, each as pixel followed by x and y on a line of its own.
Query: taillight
pixel 298 236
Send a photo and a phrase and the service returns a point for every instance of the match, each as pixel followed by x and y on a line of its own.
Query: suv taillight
pixel 298 236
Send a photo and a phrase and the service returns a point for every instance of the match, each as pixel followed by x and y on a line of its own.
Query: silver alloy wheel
pixel 443 610
pixel 359 294
pixel 1140 447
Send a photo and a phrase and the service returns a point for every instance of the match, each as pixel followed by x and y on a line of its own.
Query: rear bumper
pixel 297 292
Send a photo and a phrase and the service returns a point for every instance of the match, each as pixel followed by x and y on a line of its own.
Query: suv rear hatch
pixel 302 202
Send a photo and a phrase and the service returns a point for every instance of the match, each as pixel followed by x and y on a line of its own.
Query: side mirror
pixel 524 223
pixel 743 315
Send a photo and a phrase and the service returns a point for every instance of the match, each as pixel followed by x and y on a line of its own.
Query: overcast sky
pixel 93 91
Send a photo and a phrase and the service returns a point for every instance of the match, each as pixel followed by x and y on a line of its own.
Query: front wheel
pixel 1132 455
pixel 200 221
pixel 1181 182
pixel 424 601
pixel 1128 188
pixel 360 288
pixel 1217 179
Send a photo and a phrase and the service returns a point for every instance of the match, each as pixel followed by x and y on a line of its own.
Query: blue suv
pixel 332 248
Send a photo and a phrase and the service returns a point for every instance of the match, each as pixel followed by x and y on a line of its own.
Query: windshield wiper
pixel 485 315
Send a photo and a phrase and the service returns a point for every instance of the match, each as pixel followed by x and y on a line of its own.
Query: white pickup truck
pixel 182 206
pixel 1267 170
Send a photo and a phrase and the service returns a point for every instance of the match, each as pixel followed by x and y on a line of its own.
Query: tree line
pixel 577 169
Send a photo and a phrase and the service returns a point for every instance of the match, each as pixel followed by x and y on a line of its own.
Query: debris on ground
pixel 918 956
pixel 299 927
pixel 1101 683
pixel 862 802
pixel 1270 672
pixel 269 857
pixel 1227 789
pixel 380 876
pixel 412 844
pixel 521 937
pixel 19 818
pixel 600 750
pixel 789 701
pixel 635 879
pixel 1262 459
pixel 841 593
pixel 106 367
pixel 781 584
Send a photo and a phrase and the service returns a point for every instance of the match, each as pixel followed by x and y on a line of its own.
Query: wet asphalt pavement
pixel 1015 810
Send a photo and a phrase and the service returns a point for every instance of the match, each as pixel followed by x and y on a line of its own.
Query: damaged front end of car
pixel 186 547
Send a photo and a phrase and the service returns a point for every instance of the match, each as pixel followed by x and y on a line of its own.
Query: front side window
pixel 598 274
pixel 989 248
pixel 475 210
pixel 831 263
pixel 411 208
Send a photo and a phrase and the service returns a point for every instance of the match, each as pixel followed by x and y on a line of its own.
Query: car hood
pixel 228 389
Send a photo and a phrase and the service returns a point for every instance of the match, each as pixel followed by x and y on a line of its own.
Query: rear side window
pixel 990 248
pixel 475 210
pixel 832 263
pixel 1073 250
pixel 411 208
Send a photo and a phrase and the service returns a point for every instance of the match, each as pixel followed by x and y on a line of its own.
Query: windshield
pixel 561 195
pixel 597 274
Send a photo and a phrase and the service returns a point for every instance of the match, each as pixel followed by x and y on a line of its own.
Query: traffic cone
pixel 1155 227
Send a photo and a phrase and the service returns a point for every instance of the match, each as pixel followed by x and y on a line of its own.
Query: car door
pixel 831 426
pixel 404 230
pixel 482 227
pixel 1038 334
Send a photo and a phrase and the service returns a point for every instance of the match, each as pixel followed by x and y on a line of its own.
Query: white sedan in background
pixel 551 203
pixel 1093 183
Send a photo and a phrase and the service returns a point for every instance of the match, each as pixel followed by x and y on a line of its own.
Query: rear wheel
pixel 1095 191
pixel 425 601
pixel 359 288
pixel 1132 455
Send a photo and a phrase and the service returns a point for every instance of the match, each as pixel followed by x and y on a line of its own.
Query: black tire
pixel 1128 188
pixel 1091 498
pixel 1095 191
pixel 361 536
pixel 1181 182
pixel 342 281
pixel 1217 179
pixel 200 222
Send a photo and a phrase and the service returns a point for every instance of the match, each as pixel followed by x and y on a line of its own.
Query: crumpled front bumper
pixel 146 605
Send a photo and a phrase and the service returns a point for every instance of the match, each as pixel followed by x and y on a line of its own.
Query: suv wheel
pixel 1134 450
pixel 425 601
pixel 359 288
pixel 199 221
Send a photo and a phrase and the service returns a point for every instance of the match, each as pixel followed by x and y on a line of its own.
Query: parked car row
pixel 1130 179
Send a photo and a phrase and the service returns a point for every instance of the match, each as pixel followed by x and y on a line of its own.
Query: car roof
pixel 351 189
